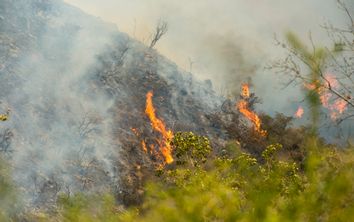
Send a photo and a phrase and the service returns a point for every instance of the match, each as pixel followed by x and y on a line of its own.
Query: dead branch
pixel 160 30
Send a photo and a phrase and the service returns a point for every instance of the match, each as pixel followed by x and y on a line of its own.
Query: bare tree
pixel 191 63
pixel 160 30
pixel 112 63
pixel 88 124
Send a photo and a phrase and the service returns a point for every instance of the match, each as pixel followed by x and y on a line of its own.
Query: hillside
pixel 97 126
pixel 76 87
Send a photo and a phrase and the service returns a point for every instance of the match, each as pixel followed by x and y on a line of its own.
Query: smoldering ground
pixel 62 123
pixel 74 81
pixel 61 126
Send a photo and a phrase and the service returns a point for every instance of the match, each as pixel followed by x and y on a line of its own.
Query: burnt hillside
pixel 76 86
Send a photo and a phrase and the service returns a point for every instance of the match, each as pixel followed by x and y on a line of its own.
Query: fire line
pixel 243 107
pixel 159 126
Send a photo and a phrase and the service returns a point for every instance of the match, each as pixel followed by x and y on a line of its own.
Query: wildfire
pixel 135 131
pixel 159 126
pixel 245 91
pixel 243 107
pixel 335 106
pixel 143 144
pixel 299 112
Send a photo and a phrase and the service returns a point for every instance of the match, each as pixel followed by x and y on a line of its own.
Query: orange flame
pixel 299 112
pixel 335 108
pixel 338 106
pixel 159 126
pixel 245 91
pixel 143 144
pixel 135 131
pixel 242 106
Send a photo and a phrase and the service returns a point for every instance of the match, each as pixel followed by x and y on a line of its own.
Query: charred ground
pixel 77 90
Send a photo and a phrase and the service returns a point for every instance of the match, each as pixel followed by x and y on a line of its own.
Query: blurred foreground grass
pixel 240 188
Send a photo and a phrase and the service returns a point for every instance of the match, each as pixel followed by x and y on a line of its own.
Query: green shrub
pixel 235 188
pixel 244 189
pixel 191 148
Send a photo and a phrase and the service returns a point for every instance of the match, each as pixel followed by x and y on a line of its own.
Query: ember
pixel 143 144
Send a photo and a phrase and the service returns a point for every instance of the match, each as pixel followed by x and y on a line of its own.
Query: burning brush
pixel 299 112
pixel 243 107
pixel 159 126
pixel 335 106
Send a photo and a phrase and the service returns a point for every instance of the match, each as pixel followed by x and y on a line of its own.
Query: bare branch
pixel 346 10
pixel 161 29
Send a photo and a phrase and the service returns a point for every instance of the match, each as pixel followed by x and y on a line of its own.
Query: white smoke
pixel 60 121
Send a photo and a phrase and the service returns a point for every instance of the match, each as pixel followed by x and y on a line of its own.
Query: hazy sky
pixel 218 36
pixel 192 22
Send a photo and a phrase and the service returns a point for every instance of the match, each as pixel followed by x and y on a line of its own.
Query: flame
pixel 143 144
pixel 338 106
pixel 245 91
pixel 242 106
pixel 135 131
pixel 332 81
pixel 335 107
pixel 159 126
pixel 299 112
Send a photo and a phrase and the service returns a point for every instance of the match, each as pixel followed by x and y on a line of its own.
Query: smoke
pixel 201 32
pixel 232 58
pixel 61 124
pixel 75 87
